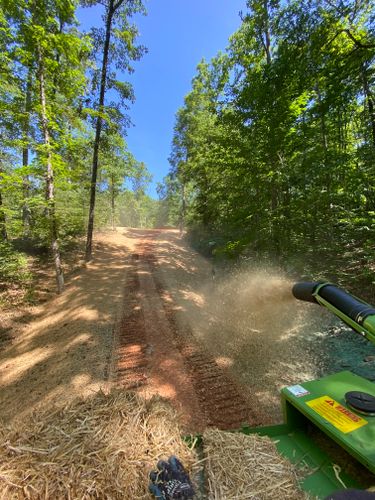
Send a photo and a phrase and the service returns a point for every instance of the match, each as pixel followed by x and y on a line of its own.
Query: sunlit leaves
pixel 287 147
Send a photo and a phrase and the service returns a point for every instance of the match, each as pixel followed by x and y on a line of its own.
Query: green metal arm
pixel 355 312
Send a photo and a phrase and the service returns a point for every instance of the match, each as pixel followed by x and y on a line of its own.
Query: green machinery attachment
pixel 356 313
pixel 333 416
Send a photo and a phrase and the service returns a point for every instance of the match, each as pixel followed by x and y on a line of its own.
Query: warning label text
pixel 340 417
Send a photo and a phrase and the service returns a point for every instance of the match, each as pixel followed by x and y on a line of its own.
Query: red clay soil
pixel 212 347
pixel 154 356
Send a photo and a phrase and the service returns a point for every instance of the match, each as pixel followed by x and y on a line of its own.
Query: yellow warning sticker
pixel 340 417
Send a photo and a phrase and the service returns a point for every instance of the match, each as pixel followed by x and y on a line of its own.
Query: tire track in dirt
pixel 146 359
pixel 131 359
pixel 156 355
pixel 220 398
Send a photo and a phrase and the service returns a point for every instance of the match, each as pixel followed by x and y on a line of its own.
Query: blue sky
pixel 178 34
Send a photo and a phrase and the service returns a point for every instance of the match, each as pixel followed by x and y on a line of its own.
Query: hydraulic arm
pixel 356 313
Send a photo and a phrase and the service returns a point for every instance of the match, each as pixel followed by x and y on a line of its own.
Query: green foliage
pixel 169 208
pixel 13 265
pixel 122 51
pixel 276 139
pixel 49 90
pixel 137 211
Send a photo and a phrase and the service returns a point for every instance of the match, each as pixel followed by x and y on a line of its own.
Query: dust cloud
pixel 260 332
pixel 248 320
pixel 249 305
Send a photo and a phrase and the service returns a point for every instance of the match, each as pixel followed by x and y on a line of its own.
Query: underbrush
pixel 27 275
pixel 13 265
pixel 15 275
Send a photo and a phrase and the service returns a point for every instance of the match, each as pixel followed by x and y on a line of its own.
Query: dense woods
pixel 64 103
pixel 274 149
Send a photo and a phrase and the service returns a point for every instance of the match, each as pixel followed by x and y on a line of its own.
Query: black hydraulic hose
pixel 354 308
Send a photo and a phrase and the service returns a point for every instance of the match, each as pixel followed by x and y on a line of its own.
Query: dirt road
pixel 156 354
pixel 147 315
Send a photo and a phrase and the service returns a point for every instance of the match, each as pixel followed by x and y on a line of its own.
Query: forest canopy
pixel 64 101
pixel 274 148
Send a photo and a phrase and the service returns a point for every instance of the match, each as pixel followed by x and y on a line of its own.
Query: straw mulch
pixel 101 448
pixel 247 467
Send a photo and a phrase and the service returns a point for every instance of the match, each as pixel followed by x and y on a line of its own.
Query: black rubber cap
pixel 304 290
pixel 361 401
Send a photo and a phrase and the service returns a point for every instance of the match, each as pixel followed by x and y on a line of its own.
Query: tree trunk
pixel 112 203
pixel 183 209
pixel 370 102
pixel 95 158
pixel 324 137
pixel 323 127
pixel 275 218
pixel 267 34
pixel 272 156
pixel 50 196
pixel 26 213
pixel 289 216
pixel 3 227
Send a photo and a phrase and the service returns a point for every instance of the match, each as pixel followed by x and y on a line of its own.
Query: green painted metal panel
pixel 319 478
pixel 293 442
pixel 360 442
pixel 369 324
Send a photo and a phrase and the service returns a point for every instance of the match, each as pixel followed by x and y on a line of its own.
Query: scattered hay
pixel 247 467
pixel 102 448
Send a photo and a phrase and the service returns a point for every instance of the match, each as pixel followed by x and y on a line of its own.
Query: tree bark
pixel 323 126
pixel 324 136
pixel 272 146
pixel 3 227
pixel 183 209
pixel 370 102
pixel 50 195
pixel 267 34
pixel 99 121
pixel 26 214
pixel 112 203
